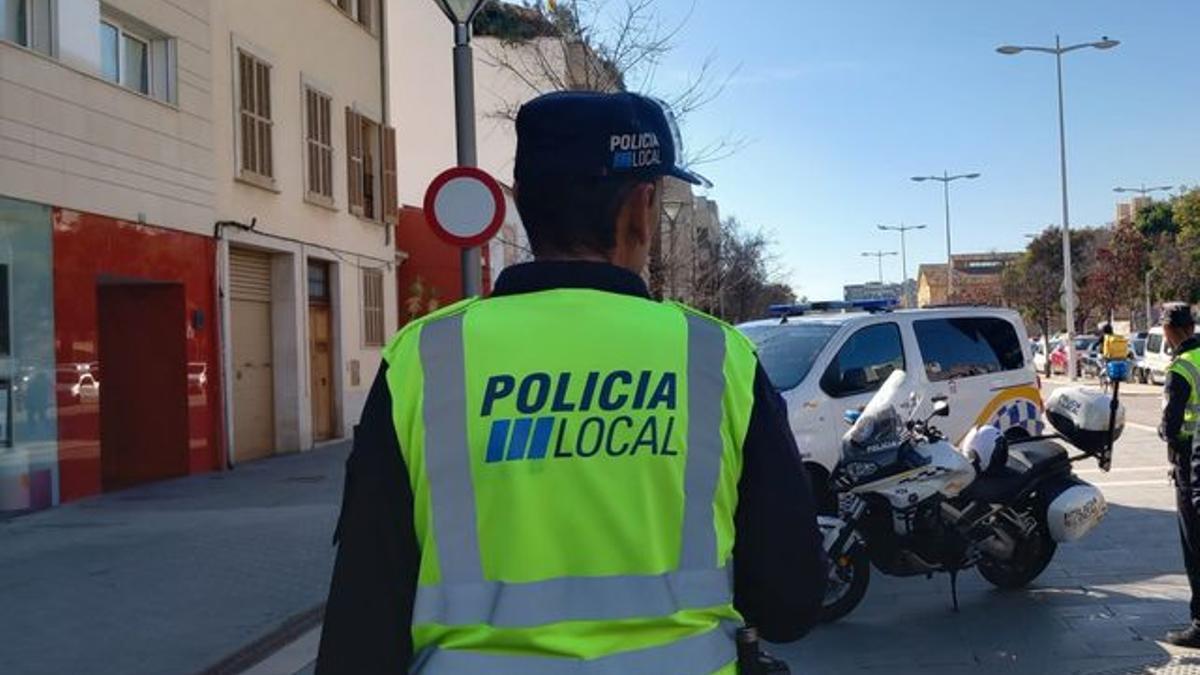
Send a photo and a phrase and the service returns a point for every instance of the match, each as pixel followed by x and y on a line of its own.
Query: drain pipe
pixel 226 365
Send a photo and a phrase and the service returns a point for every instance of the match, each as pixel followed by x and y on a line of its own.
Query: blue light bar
pixel 789 309
pixel 799 309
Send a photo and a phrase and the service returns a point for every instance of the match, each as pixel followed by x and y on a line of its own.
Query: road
pixel 1100 607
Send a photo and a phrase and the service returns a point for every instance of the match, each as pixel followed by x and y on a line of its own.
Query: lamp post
pixel 879 256
pixel 1068 280
pixel 945 179
pixel 1145 192
pixel 903 255
pixel 461 13
pixel 671 209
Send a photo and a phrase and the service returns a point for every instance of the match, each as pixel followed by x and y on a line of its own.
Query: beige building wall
pixel 70 138
pixel 422 104
pixel 348 68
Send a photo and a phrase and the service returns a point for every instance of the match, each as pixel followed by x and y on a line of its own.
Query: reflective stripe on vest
pixel 1186 368
pixel 464 596
pixel 707 652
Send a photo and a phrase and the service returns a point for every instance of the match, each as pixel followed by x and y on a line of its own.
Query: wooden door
pixel 253 373
pixel 320 352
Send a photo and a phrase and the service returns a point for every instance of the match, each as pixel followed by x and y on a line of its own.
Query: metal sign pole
pixel 464 125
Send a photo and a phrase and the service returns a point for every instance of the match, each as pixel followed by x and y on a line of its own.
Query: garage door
pixel 253 379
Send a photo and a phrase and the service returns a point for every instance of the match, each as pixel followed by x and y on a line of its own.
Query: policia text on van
pixel 569 476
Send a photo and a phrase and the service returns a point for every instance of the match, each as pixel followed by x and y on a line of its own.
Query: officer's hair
pixel 572 215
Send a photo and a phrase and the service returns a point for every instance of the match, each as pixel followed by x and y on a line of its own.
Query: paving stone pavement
pixel 170 577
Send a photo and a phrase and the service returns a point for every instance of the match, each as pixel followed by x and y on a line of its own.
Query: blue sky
pixel 842 101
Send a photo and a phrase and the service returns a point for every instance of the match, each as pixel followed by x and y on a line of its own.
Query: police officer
pixel 569 476
pixel 1180 407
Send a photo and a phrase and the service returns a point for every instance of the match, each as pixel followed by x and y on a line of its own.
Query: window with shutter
pixel 372 302
pixel 391 207
pixel 318 142
pixel 256 162
pixel 354 161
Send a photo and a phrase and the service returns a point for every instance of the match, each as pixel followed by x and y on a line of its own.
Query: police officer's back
pixel 569 470
pixel 1181 405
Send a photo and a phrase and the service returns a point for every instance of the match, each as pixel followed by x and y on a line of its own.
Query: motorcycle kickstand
pixel 954 588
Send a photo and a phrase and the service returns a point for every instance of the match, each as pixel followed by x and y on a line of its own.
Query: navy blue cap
pixel 592 134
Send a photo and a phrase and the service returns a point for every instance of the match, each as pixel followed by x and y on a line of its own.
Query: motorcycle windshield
pixel 880 426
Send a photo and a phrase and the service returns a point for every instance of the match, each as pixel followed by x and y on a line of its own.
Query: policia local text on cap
pixel 568 476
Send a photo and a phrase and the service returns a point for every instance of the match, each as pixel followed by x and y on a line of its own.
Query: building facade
pixel 304 205
pixel 196 210
pixel 978 280
pixel 872 290
pixel 107 261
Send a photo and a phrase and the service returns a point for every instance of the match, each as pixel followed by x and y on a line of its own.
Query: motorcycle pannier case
pixel 1081 414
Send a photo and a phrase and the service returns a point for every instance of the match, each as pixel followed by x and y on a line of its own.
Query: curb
pixel 246 657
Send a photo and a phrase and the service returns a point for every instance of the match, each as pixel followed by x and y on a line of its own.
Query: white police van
pixel 828 357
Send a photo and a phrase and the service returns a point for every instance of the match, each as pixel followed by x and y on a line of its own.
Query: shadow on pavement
pixel 1099 607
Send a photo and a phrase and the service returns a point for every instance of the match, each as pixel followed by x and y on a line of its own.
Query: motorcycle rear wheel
pixel 1030 559
pixel 847 585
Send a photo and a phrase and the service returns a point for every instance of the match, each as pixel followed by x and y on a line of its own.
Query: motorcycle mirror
pixel 941 408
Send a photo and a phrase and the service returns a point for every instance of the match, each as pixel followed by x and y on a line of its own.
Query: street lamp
pixel 1068 281
pixel 903 255
pixel 879 256
pixel 945 179
pixel 461 13
pixel 1144 192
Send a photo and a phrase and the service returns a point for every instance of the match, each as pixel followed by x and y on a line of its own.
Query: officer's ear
pixel 643 211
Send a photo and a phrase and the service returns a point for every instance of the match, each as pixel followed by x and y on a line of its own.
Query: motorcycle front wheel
pixel 849 576
pixel 1029 560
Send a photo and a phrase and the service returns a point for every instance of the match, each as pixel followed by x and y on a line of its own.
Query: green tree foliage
pixel 1034 282
pixel 1186 210
pixel 1156 218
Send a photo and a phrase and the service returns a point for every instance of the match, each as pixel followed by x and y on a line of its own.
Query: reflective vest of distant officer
pixel 585 474
pixel 1187 366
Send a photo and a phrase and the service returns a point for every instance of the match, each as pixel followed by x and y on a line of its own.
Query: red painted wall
pixel 89 249
pixel 431 277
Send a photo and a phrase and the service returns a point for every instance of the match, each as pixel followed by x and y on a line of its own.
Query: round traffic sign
pixel 464 206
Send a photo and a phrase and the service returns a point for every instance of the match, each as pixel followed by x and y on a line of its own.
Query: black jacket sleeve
pixel 778 560
pixel 369 611
pixel 1176 392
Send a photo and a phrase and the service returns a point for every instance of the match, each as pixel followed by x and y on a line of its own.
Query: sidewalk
pixel 171 577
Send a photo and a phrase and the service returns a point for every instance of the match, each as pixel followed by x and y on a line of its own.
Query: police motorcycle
pixel 912 504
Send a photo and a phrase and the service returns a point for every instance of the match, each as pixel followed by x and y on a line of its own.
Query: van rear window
pixel 968 346
pixel 1154 343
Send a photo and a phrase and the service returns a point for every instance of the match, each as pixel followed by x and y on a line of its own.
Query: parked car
pixel 1158 356
pixel 1040 358
pixel 1084 346
pixel 1138 372
pixel 827 362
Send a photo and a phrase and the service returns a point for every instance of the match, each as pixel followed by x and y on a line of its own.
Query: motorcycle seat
pixel 1038 456
pixel 1026 463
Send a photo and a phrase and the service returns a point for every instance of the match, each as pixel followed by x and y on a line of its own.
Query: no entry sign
pixel 464 206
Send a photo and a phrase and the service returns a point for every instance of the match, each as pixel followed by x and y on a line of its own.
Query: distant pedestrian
pixel 568 476
pixel 1181 411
